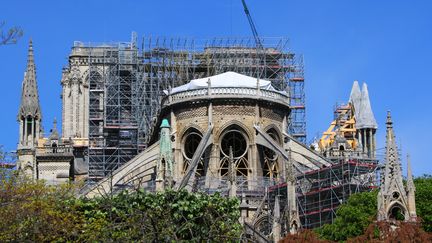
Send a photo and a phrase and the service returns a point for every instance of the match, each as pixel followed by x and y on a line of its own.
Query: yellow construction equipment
pixel 343 125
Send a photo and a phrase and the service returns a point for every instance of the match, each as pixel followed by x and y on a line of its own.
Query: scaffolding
pixel 127 83
pixel 320 192
pixel 173 62
pixel 115 106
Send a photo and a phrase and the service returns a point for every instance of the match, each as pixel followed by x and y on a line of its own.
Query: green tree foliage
pixel 167 216
pixel 34 211
pixel 423 186
pixel 352 218
pixel 360 211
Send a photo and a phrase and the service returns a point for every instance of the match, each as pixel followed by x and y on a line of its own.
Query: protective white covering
pixel 367 118
pixel 225 80
pixel 363 110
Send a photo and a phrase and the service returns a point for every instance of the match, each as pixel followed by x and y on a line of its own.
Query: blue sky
pixel 384 43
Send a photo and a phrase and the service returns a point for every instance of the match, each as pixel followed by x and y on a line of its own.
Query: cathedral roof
pixel 29 95
pixel 225 80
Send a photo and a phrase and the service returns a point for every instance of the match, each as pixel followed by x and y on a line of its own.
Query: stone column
pixel 25 142
pixel 37 132
pixel 21 133
pixel 32 132
pixel 371 148
pixel 85 119
pixel 374 145
pixel 63 96
pixel 366 142
pixel 360 144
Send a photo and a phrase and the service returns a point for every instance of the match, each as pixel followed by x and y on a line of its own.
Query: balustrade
pixel 227 92
pixel 54 150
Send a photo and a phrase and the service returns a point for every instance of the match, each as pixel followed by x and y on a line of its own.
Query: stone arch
pixel 263 224
pixel 190 140
pixel 186 129
pixel 273 127
pixel 270 162
pixel 394 208
pixel 237 138
pixel 237 129
pixel 228 124
pixel 294 226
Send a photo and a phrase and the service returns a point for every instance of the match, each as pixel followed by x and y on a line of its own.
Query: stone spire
pixel 393 173
pixel 365 118
pixel 29 117
pixel 392 195
pixel 29 95
pixel 411 192
pixel 410 181
pixel 54 132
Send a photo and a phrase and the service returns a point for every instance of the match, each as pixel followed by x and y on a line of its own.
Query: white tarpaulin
pixel 225 80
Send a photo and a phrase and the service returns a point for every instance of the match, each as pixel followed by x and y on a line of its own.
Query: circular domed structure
pixel 223 110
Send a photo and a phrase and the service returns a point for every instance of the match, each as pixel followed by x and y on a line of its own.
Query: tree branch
pixel 11 35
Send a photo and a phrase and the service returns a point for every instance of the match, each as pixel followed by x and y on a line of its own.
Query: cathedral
pixel 49 158
pixel 130 120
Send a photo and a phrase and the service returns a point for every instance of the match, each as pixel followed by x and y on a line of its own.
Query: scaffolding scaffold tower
pixel 127 84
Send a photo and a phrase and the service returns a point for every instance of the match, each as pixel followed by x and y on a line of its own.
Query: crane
pixel 252 25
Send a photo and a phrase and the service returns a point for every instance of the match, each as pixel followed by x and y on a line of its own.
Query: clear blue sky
pixel 386 43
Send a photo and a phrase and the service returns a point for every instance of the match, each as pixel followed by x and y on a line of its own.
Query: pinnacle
pixel 410 182
pixel 389 119
pixel 29 96
pixel 54 133
pixel 30 58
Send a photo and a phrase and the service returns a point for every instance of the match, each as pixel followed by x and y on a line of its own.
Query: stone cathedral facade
pixel 53 158
pixel 226 133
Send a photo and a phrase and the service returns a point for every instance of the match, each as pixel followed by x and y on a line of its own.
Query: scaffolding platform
pixel 320 192
pixel 126 84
